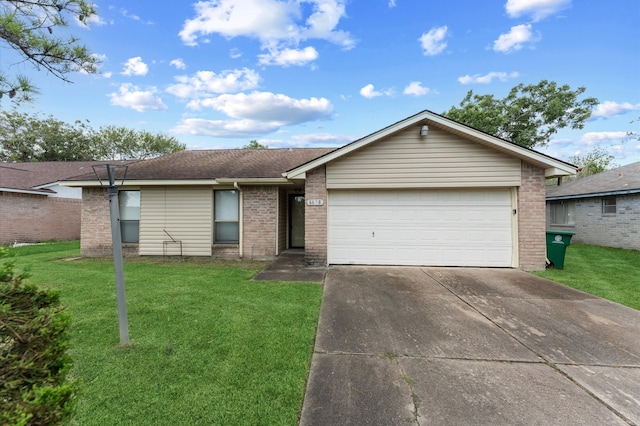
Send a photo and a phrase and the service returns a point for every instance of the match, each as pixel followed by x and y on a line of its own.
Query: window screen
pixel 563 213
pixel 226 216
pixel 129 216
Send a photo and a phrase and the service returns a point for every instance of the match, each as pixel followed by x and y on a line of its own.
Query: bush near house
pixel 34 389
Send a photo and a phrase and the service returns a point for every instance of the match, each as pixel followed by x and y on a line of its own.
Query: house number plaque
pixel 315 202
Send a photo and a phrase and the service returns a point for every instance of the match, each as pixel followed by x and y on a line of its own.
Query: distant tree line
pixel 27 138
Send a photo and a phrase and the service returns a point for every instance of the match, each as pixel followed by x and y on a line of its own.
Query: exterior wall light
pixel 424 131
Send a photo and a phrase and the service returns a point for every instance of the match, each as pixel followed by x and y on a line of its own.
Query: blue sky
pixel 217 74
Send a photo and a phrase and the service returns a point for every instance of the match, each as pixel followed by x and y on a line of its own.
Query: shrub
pixel 34 389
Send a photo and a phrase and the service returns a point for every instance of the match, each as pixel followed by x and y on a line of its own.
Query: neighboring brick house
pixel 34 207
pixel 424 191
pixel 602 209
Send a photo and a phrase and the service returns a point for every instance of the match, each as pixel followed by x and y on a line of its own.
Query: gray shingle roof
pixel 28 176
pixel 625 179
pixel 220 164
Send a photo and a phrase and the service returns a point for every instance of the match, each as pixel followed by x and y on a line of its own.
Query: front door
pixel 296 221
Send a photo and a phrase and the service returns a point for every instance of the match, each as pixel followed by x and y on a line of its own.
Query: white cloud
pixel 369 92
pixel 273 22
pixel 288 57
pixel 515 39
pixel 268 107
pixel 595 138
pixel 91 20
pixel 309 140
pixel 135 66
pixel 130 96
pixel 433 41
pixel 610 108
pixel 206 83
pixel 415 88
pixel 487 78
pixel 392 3
pixel 178 63
pixel 224 128
pixel 537 9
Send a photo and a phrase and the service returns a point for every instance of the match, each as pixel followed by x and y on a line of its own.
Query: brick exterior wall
pixel 95 240
pixel 260 207
pixel 621 230
pixel 531 219
pixel 315 220
pixel 29 218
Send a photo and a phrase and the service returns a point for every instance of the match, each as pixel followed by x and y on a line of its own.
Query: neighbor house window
pixel 226 216
pixel 563 213
pixel 129 216
pixel 609 205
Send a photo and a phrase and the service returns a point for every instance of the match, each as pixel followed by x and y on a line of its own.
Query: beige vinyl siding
pixel 185 212
pixel 440 160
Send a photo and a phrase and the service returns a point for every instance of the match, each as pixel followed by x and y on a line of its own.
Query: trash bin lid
pixel 551 231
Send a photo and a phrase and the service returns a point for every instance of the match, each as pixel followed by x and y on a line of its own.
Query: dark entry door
pixel 296 221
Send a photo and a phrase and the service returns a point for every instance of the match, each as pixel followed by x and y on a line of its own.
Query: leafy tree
pixel 254 144
pixel 25 137
pixel 528 115
pixel 595 161
pixel 34 364
pixel 31 138
pixel 121 143
pixel 31 28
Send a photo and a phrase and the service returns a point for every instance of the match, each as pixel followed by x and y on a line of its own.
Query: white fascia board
pixel 186 182
pixel 254 181
pixel 25 191
pixel 556 172
pixel 131 182
pixel 552 166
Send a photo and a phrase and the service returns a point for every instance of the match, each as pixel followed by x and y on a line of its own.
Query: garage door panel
pixel 421 227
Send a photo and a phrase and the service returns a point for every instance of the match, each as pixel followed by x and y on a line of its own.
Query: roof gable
pixel 623 180
pixel 552 166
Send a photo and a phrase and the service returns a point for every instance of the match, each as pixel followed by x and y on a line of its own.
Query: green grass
pixel 610 273
pixel 209 346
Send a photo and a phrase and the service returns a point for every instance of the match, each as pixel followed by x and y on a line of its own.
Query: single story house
pixel 424 191
pixel 34 207
pixel 602 209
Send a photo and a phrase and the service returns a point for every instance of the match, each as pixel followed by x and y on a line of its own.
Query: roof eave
pixel 26 191
pixel 182 182
pixel 593 194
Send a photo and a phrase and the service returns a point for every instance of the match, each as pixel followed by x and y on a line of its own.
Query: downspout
pixel 240 221
pixel 277 221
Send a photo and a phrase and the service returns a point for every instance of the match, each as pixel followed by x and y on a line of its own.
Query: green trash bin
pixel 557 243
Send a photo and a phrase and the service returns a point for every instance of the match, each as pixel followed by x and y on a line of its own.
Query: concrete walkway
pixel 462 346
pixel 290 266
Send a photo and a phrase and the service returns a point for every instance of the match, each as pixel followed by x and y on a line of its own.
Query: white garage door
pixel 421 227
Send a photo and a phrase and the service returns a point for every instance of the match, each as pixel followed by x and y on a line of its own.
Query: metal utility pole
pixel 116 243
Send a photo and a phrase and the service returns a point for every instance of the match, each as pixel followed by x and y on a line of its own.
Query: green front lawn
pixel 209 346
pixel 610 273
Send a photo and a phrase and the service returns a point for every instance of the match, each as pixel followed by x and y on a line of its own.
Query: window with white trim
pixel 129 216
pixel 609 206
pixel 563 212
pixel 226 216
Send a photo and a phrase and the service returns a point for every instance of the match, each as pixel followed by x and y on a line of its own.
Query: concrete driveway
pixel 462 346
